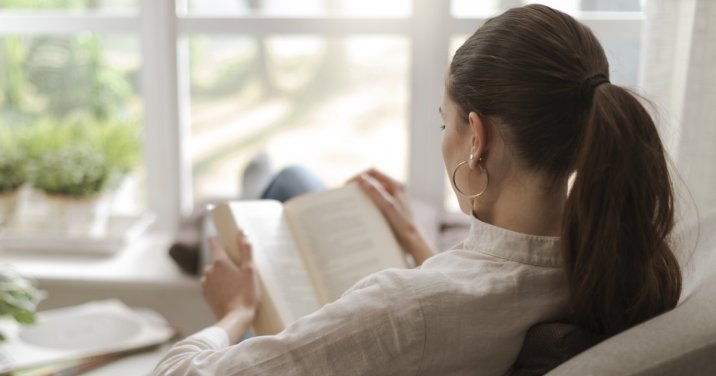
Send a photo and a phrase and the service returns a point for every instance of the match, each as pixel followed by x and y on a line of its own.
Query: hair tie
pixel 586 89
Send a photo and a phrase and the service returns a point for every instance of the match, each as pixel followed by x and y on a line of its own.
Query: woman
pixel 527 103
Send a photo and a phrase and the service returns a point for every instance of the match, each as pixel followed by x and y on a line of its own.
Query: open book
pixel 309 250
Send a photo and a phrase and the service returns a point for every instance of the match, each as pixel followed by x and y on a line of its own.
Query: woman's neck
pixel 525 208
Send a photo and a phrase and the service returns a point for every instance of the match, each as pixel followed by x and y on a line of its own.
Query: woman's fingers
pixel 380 197
pixel 218 253
pixel 397 215
pixel 247 256
pixel 354 178
pixel 390 184
pixel 228 286
pixel 217 249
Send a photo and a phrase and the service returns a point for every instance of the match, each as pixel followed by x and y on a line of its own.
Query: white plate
pixel 91 329
pixel 121 230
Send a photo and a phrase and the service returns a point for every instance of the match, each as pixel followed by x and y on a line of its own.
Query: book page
pixel 343 238
pixel 280 266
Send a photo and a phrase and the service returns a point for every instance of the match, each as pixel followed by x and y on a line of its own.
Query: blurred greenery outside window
pixel 70 5
pixel 335 105
pixel 63 94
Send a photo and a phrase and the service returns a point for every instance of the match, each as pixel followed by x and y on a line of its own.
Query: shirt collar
pixel 511 245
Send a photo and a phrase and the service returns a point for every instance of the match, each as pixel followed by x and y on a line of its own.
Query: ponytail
pixel 619 214
pixel 526 69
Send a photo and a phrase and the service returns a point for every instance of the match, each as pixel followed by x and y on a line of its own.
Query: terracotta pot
pixel 77 216
pixel 8 206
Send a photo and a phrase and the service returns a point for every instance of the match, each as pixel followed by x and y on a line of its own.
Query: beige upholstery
pixel 550 344
pixel 679 342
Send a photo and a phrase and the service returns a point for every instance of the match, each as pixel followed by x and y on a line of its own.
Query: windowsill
pixel 144 262
pixel 140 275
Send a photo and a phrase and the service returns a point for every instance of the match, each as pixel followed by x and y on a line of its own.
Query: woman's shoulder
pixel 389 280
pixel 415 283
pixel 461 275
pixel 444 268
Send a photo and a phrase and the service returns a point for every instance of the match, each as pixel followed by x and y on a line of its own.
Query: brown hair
pixel 541 78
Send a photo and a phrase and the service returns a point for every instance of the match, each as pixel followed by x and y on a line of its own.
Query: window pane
pixel 379 8
pixel 70 5
pixel 334 105
pixel 481 8
pixel 87 81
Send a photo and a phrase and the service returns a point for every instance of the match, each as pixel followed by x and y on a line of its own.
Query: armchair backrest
pixel 679 342
pixel 549 344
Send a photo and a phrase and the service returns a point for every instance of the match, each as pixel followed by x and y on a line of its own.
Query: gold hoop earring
pixel 457 188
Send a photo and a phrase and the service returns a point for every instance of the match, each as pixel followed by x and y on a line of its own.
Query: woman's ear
pixel 479 139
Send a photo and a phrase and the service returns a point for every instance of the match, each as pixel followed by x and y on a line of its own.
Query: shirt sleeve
pixel 376 328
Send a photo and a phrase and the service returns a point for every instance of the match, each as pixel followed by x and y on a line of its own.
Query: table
pixel 142 275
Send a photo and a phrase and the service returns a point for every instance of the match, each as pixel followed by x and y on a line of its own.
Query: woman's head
pixel 524 71
pixel 530 88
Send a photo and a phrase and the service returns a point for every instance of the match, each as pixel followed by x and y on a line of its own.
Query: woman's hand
pixel 232 291
pixel 391 197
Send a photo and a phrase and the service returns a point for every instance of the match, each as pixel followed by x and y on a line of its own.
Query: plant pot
pixel 8 206
pixel 77 216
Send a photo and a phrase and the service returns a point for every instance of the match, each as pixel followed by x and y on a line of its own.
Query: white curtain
pixel 678 73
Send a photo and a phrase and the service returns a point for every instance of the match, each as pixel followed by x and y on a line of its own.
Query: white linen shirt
pixel 465 311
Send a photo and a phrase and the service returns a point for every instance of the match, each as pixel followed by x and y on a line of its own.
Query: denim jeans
pixel 291 182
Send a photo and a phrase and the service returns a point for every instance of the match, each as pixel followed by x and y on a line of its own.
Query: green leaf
pixel 18 298
pixel 24 317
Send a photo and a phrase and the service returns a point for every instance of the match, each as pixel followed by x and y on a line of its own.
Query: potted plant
pixel 13 175
pixel 120 142
pixel 18 298
pixel 73 179
pixel 76 163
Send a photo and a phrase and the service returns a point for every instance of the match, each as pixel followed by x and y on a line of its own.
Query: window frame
pixel 164 86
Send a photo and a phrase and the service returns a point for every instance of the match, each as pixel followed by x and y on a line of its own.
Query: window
pixel 344 96
pixel 70 6
pixel 61 67
pixel 215 81
pixel 352 8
